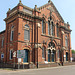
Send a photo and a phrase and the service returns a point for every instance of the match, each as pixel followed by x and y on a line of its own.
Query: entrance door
pixel 48 55
pixel 66 56
pixel 26 56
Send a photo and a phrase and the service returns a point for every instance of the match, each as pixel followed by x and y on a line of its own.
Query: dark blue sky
pixel 65 7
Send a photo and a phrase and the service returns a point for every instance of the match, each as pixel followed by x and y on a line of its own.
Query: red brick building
pixel 41 32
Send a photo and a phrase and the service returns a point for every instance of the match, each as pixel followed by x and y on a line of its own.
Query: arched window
pixel 51 52
pixel 52 27
pixel 43 52
pixel 43 27
pixel 58 53
pixel 26 33
pixel 11 54
pixel 12 33
pixel 66 41
pixel 48 27
pixel 2 42
pixel 57 29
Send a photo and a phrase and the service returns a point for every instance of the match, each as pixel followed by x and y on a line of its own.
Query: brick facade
pixel 22 15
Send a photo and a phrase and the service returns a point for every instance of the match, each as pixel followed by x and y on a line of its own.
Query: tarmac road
pixel 65 70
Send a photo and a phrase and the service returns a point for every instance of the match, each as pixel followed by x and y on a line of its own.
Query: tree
pixel 73 51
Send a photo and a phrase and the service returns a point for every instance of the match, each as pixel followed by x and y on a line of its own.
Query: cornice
pixel 50 36
pixel 65 28
pixel 22 13
pixel 12 9
pixel 20 4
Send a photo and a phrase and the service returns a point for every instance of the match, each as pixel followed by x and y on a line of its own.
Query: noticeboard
pixel 2 55
pixel 20 53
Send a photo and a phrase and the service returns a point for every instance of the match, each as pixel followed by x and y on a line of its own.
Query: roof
pixel 49 3
pixel 2 32
pixel 20 5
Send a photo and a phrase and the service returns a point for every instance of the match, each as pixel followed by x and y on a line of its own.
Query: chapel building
pixel 41 32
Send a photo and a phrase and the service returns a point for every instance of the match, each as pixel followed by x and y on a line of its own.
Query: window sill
pixel 26 40
pixel 47 35
pixel 25 63
pixel 43 34
pixel 51 62
pixel 50 36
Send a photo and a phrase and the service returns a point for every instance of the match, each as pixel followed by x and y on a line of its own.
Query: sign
pixel 20 53
pixel 19 60
pixel 14 54
pixel 65 56
pixel 46 62
pixel 2 55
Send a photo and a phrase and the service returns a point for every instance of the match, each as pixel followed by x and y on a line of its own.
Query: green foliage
pixel 73 51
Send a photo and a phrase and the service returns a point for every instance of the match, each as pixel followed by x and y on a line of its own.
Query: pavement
pixel 62 70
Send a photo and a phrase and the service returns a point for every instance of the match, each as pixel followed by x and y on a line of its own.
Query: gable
pixel 51 7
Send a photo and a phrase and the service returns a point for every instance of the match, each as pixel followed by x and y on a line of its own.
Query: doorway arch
pixel 51 52
pixel 26 59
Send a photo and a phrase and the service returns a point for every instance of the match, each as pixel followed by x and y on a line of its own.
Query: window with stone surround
pixel 26 33
pixel 48 27
pixel 66 41
pixel 43 53
pixel 2 42
pixel 52 29
pixel 57 29
pixel 12 33
pixel 58 53
pixel 11 54
pixel 43 27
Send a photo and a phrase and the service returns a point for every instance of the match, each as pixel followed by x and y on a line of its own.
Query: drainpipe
pixel 36 40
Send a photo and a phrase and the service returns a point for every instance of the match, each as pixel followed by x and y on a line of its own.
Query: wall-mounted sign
pixel 2 55
pixel 14 54
pixel 20 53
pixel 64 55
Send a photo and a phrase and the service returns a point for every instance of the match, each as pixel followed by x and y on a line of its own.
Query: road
pixel 65 70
